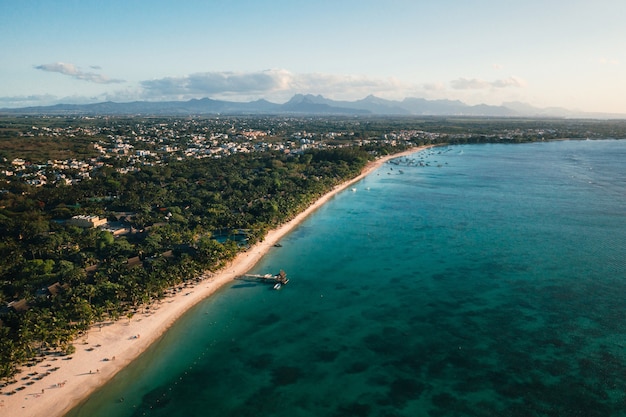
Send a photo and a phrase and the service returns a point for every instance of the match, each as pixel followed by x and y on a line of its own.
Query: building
pixel 87 222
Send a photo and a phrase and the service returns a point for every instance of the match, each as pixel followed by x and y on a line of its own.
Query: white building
pixel 87 222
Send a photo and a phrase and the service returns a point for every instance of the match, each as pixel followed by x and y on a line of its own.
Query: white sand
pixel 106 349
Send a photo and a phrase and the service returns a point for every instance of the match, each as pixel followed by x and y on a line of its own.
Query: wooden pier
pixel 280 278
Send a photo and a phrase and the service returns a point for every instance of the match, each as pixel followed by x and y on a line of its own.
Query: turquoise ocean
pixel 472 280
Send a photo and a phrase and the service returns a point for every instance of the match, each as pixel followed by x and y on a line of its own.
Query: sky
pixel 546 53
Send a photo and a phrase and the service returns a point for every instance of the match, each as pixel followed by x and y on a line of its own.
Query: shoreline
pixel 58 384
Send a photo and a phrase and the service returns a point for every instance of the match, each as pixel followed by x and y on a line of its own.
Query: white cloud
pixel 515 82
pixel 208 83
pixel 434 87
pixel 477 84
pixel 74 72
pixel 469 84
pixel 609 61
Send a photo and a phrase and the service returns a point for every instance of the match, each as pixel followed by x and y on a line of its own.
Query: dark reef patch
pixel 286 375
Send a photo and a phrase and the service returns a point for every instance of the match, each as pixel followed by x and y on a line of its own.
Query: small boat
pixel 354 189
pixel 277 286
pixel 278 245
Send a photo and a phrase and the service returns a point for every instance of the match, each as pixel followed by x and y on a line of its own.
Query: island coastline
pixel 60 384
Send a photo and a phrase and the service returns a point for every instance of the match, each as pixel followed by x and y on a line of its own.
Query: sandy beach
pixel 55 385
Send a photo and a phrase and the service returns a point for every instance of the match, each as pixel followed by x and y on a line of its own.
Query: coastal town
pixel 127 144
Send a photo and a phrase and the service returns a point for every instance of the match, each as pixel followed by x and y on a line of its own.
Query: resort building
pixel 87 222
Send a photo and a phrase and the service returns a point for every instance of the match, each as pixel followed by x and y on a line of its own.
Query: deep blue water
pixel 489 282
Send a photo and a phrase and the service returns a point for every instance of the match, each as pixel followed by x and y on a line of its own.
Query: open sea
pixel 474 280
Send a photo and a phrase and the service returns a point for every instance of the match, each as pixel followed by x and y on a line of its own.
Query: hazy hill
pixel 311 105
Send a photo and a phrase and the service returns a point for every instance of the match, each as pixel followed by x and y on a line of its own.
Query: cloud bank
pixel 280 82
pixel 215 83
pixel 477 84
pixel 74 72
pixel 274 82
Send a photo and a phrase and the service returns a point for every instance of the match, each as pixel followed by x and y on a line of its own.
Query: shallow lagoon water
pixel 489 281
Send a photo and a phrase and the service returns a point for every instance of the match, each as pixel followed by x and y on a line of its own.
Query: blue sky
pixel 547 53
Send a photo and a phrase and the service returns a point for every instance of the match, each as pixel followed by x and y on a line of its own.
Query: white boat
pixel 277 286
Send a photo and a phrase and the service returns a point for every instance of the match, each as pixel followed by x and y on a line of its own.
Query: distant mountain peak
pixel 371 98
pixel 307 98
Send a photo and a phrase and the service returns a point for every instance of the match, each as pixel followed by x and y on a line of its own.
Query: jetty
pixel 277 279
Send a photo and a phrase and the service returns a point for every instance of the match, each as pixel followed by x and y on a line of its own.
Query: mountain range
pixel 308 104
